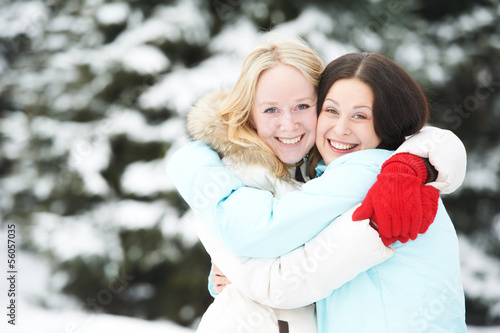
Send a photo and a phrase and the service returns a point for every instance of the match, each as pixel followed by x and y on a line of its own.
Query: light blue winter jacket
pixel 251 222
pixel 417 290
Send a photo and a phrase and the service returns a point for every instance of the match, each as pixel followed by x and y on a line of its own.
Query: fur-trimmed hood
pixel 204 123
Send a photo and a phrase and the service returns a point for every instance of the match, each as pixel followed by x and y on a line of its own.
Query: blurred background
pixel 93 96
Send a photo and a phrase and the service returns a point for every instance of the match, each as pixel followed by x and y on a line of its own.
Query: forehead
pixel 350 90
pixel 283 81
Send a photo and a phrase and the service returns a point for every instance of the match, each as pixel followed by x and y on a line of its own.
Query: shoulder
pixel 260 177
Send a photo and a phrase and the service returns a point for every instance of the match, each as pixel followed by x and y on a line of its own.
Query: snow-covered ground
pixel 36 286
pixel 37 320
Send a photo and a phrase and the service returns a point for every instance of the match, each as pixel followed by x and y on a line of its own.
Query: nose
pixel 341 126
pixel 289 122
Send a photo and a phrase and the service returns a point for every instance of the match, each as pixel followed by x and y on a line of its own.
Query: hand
pixel 446 153
pixel 399 203
pixel 219 279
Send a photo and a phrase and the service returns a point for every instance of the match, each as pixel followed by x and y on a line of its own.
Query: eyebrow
pixel 355 107
pixel 296 101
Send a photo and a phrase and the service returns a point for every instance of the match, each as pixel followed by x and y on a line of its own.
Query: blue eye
pixel 271 110
pixel 303 107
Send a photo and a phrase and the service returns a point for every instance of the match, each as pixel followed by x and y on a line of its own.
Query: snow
pixel 56 42
pixel 57 234
pixel 480 273
pixel 367 39
pixel 445 31
pixel 218 72
pixel 310 20
pixel 61 23
pixel 15 134
pixel 184 20
pixel 146 178
pixel 327 48
pixel 410 55
pixel 23 17
pixel 132 214
pixel 436 73
pixel 481 171
pixel 145 60
pixel 227 40
pixel 482 16
pixel 43 321
pixel 184 227
pixel 454 55
pixel 132 123
pixel 43 187
pixel 189 18
pixel 66 315
pixel 113 13
pixel 86 144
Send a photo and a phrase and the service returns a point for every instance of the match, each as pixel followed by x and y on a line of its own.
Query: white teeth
pixel 341 146
pixel 290 141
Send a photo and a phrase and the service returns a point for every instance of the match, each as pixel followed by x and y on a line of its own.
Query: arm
pixel 310 273
pixel 277 226
pixel 400 203
pixel 445 152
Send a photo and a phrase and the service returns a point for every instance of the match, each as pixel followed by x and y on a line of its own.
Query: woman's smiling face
pixel 284 112
pixel 345 123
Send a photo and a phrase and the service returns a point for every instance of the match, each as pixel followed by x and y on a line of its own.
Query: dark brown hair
pixel 399 107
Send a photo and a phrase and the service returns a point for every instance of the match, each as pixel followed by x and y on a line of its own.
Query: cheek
pixel 257 123
pixel 371 139
pixel 307 120
pixel 323 124
pixel 265 129
pixel 320 131
pixel 313 120
pixel 313 125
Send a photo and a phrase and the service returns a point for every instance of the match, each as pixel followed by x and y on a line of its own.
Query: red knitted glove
pixel 399 203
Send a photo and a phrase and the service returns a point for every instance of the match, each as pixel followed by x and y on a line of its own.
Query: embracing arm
pixel 402 203
pixel 251 222
pixel 311 272
pixel 445 152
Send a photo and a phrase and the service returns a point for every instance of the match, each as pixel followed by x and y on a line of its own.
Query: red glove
pixel 399 203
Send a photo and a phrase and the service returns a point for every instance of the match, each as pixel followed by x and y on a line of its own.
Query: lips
pixel 288 141
pixel 342 146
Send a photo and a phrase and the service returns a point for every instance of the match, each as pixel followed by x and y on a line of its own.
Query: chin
pixel 291 159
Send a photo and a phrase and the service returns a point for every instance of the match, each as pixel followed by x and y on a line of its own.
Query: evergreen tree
pixel 93 96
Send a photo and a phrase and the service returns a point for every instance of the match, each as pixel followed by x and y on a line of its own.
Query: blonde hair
pixel 236 109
